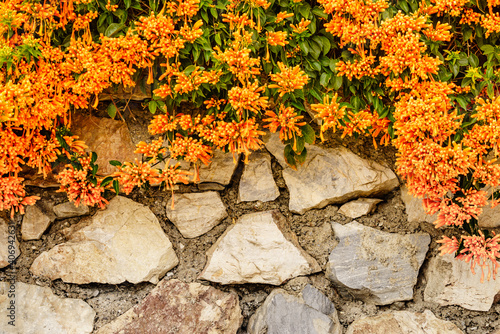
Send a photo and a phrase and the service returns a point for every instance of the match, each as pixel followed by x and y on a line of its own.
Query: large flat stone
pixel 195 214
pixel 124 242
pixel 451 282
pixel 257 182
pixel 38 311
pixel 110 139
pixel 376 266
pixel 9 246
pixel 258 248
pixel 403 322
pixel 311 313
pixel 36 221
pixel 331 176
pixel 181 308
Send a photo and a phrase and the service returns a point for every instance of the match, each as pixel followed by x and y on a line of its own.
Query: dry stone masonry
pixel 238 255
pixel 331 176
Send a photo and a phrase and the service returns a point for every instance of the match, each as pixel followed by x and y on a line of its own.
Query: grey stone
pixel 451 282
pixel 376 266
pixel 403 322
pixel 195 214
pixel 220 170
pixel 181 308
pixel 258 248
pixel 415 209
pixel 359 207
pixel 283 313
pixel 331 176
pixel 9 246
pixel 39 311
pixel 124 242
pixel 68 210
pixel 257 182
pixel 36 221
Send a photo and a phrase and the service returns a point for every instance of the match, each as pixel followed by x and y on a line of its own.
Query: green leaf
pixel 301 158
pixel 473 60
pixel 299 144
pixel 304 47
pixel 116 186
pixel 106 181
pixel 111 109
pixel 487 49
pixel 337 82
pixel 290 157
pixel 463 61
pixel 315 49
pixel 115 163
pixel 93 158
pixel 461 101
pixel 188 70
pixel 218 40
pixel 319 12
pixel 94 172
pixel 152 106
pixel 113 29
pixel 304 10
pixel 308 133
pixel 127 3
pixel 326 45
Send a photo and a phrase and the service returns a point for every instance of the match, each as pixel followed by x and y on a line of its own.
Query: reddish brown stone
pixel 180 308
pixel 110 139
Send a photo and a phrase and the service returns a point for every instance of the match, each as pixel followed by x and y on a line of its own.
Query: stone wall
pixel 337 246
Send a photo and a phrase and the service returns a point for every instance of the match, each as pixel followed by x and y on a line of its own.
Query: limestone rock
pixel 257 182
pixel 219 171
pixel 359 207
pixel 403 322
pixel 195 214
pixel 110 139
pixel 124 242
pixel 258 248
pixel 415 209
pixel 181 308
pixel 68 210
pixel 39 311
pixel 330 176
pixel 376 266
pixel 36 220
pixel 451 282
pixel 490 218
pixel 8 240
pixel 311 313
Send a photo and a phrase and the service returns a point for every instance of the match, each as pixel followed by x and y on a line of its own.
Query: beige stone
pixel 195 214
pixel 331 176
pixel 109 138
pixel 39 311
pixel 125 242
pixel 258 248
pixel 257 182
